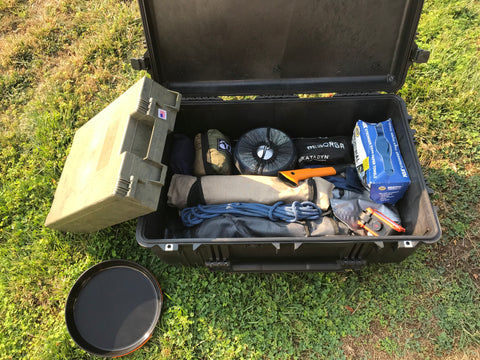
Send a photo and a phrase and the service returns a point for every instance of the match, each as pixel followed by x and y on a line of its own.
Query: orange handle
pixel 292 177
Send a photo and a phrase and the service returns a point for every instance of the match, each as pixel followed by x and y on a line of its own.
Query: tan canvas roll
pixel 179 189
pixel 187 190
pixel 323 192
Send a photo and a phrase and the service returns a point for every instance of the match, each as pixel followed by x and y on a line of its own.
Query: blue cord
pixel 296 211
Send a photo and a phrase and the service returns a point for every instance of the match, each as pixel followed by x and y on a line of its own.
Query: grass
pixel 63 61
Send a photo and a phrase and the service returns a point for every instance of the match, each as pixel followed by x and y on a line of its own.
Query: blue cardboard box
pixel 379 162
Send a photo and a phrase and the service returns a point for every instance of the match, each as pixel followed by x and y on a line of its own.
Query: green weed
pixel 14 88
pixel 66 69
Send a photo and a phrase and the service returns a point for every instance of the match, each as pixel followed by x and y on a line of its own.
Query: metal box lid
pixel 257 47
pixel 114 170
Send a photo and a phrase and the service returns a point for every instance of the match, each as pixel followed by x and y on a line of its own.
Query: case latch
pixel 218 265
pixel 142 63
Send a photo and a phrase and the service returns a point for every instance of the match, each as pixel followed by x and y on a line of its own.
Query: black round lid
pixel 113 308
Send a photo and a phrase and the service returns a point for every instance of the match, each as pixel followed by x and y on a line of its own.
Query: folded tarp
pixel 230 226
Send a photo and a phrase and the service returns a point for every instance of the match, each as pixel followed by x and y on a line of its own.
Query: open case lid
pixel 221 47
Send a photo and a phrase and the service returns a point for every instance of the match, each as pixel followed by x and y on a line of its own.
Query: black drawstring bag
pixel 264 151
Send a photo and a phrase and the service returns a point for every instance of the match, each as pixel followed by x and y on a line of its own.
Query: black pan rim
pixel 82 282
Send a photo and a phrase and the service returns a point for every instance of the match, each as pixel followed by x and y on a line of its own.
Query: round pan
pixel 113 308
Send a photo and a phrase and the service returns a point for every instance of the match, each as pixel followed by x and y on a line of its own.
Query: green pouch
pixel 213 154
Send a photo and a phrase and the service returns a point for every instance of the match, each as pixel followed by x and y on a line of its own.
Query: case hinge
pixel 142 63
pixel 201 99
pixel 419 56
pixel 371 93
pixel 277 97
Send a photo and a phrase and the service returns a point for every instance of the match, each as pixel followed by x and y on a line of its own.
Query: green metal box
pixel 114 170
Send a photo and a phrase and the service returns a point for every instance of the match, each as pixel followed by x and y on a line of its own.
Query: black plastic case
pixel 359 49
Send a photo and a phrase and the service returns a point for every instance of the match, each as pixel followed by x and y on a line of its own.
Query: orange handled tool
pixel 292 177
pixel 377 224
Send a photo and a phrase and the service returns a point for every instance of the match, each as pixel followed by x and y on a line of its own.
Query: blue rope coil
pixel 295 212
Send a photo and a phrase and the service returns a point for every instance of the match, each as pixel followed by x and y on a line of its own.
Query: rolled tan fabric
pixel 324 192
pixel 252 188
pixel 179 189
pixel 188 191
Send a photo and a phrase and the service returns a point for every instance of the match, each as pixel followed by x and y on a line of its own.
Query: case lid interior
pixel 220 47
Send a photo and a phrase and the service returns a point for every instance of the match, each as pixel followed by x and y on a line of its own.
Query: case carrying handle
pixel 164 116
pixel 275 267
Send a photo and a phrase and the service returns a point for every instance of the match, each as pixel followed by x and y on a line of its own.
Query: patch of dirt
pixel 462 252
pixel 369 347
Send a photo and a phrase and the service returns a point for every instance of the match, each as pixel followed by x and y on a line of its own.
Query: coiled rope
pixel 295 212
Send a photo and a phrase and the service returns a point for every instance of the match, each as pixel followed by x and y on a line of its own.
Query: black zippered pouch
pixel 332 150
